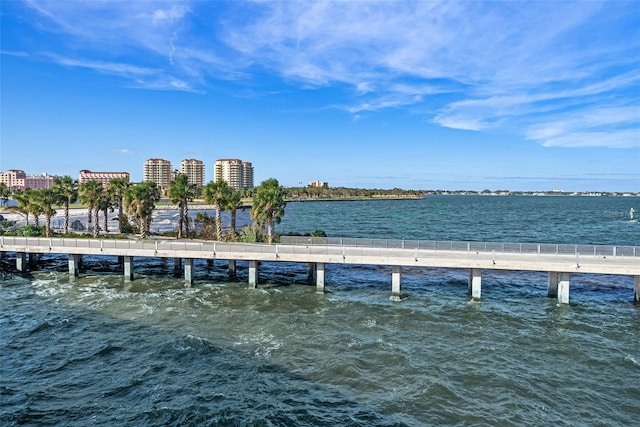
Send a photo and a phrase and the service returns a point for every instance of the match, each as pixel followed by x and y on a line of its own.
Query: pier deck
pixel 558 260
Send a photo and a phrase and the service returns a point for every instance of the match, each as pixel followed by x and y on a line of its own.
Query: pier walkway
pixel 560 261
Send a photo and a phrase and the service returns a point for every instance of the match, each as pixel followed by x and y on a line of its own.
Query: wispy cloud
pixel 123 151
pixel 13 53
pixel 536 66
pixel 614 126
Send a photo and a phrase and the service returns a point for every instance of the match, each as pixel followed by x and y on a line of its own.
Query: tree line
pixel 136 203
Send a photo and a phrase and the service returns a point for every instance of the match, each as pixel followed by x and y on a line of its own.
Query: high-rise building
pixel 102 177
pixel 194 170
pixel 247 175
pixel 158 171
pixel 237 173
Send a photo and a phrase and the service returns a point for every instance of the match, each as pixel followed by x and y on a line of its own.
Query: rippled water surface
pixel 99 351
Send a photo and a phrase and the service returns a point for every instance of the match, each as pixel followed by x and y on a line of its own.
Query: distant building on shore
pixel 16 179
pixel 237 173
pixel 101 177
pixel 194 170
pixel 319 184
pixel 158 171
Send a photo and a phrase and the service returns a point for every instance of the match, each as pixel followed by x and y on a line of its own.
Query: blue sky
pixel 410 94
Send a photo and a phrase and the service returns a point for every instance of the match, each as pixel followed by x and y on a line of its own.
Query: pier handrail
pixel 467 246
pixel 292 244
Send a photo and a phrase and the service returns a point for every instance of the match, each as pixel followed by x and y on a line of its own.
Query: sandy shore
pixel 57 221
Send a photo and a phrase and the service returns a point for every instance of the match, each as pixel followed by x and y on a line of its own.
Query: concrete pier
pixel 21 261
pixel 311 272
pixel 559 286
pixel 188 272
pixel 128 268
pixel 74 265
pixel 475 283
pixel 560 261
pixel 33 260
pixel 396 277
pixel 319 277
pixel 177 266
pixel 253 274
pixel 232 268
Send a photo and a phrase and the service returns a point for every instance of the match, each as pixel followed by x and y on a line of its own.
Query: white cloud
pixel 465 65
pixel 14 53
pixel 613 127
pixel 614 139
pixel 175 13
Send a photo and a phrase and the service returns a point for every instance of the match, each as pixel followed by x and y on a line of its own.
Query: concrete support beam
pixel 319 270
pixel 177 266
pixel 74 265
pixel 311 272
pixel 396 276
pixel 128 268
pixel 21 261
pixel 253 274
pixel 188 272
pixel 475 283
pixel 636 290
pixel 559 286
pixel 33 260
pixel 232 268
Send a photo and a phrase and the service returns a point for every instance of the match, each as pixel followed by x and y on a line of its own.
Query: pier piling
pixel 475 283
pixel 232 268
pixel 396 276
pixel 253 274
pixel 21 261
pixel 319 277
pixel 559 286
pixel 188 272
pixel 74 265
pixel 128 268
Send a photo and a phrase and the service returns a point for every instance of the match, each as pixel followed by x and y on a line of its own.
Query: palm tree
pixel 22 197
pixel 43 200
pixel 105 202
pixel 217 193
pixel 5 192
pixel 90 193
pixel 139 202
pixel 67 188
pixel 182 192
pixel 232 205
pixel 117 187
pixel 33 205
pixel 267 207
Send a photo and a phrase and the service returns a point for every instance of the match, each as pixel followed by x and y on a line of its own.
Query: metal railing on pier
pixel 324 245
pixel 462 246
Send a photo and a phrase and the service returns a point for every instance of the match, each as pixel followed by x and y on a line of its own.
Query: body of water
pixel 99 351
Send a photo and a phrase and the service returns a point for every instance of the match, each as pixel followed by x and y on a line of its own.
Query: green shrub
pixel 32 230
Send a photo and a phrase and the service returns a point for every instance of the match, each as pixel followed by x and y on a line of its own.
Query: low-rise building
pixel 16 179
pixel 102 177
